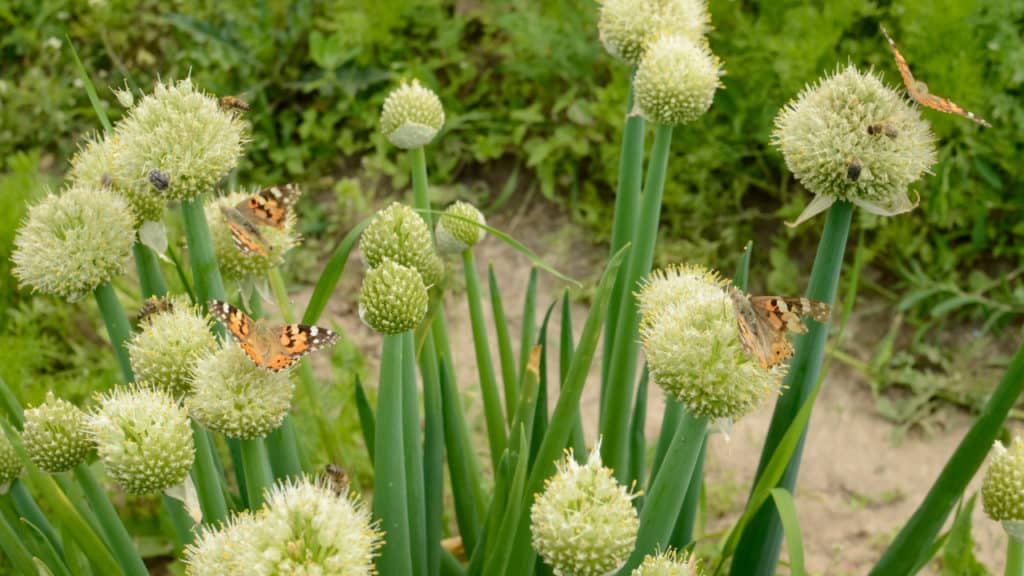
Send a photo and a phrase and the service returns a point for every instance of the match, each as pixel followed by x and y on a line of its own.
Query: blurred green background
pixel 535 108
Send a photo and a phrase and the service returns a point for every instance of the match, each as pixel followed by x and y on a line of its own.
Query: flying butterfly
pixel 272 347
pixel 919 90
pixel 268 207
pixel 764 321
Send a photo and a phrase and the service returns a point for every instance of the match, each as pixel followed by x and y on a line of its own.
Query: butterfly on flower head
pixel 764 321
pixel 919 90
pixel 268 207
pixel 273 347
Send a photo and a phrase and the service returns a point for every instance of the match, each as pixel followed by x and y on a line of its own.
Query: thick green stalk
pixel 207 479
pixel 411 442
pixel 463 467
pixel 658 517
pixel 79 523
pixel 683 532
pixel 121 542
pixel 758 550
pixel 627 199
pixel 622 370
pixel 485 368
pixel 117 325
pixel 433 452
pixel 258 477
pixel 307 380
pixel 528 328
pixel 390 505
pixel 151 280
pixel 1014 557
pixel 565 352
pixel 181 521
pixel 931 515
pixel 283 450
pixel 205 272
pixel 420 195
pixel 367 421
pixel 637 435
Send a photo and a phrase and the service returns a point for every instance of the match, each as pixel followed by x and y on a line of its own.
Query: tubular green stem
pixel 15 549
pixel 622 370
pixel 117 325
pixel 420 194
pixel 627 199
pixel 258 477
pixel 758 550
pixel 1014 557
pixel 413 457
pixel 151 280
pixel 931 515
pixel 121 542
pixel 205 272
pixel 27 508
pixel 180 520
pixel 81 526
pixel 207 479
pixel 485 368
pixel 433 452
pixel 282 448
pixel 508 367
pixel 664 500
pixel 683 533
pixel 306 377
pixel 390 504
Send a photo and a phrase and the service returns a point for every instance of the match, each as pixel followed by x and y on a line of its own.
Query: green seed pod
pixel 676 80
pixel 93 167
pixel 584 522
pixel 143 438
pixel 455 236
pixel 627 26
pixel 851 137
pixel 412 116
pixel 10 463
pixel 234 396
pixel 393 298
pixel 668 564
pixel 398 234
pixel 71 243
pixel 1002 490
pixel 690 338
pixel 179 140
pixel 55 435
pixel 236 264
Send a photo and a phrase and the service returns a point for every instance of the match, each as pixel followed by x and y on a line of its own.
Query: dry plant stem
pixel 758 550
pixel 627 199
pixel 622 370
pixel 485 368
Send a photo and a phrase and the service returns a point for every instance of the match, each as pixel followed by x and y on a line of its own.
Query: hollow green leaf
pixel 791 524
pixel 90 89
pixel 366 419
pixel 508 366
pixel 331 273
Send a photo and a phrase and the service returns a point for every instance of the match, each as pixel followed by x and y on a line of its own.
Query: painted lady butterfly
pixel 268 207
pixel 271 347
pixel 919 90
pixel 764 321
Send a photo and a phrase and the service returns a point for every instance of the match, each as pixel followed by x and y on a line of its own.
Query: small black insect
pixel 159 180
pixel 853 171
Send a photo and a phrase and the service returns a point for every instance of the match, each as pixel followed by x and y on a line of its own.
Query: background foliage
pixel 534 105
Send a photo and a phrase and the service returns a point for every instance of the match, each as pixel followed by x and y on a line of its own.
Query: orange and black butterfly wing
pixel 241 326
pixel 270 206
pixel 778 316
pixel 246 235
pixel 921 96
pixel 294 341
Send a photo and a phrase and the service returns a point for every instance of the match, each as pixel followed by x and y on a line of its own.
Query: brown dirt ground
pixel 856 486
